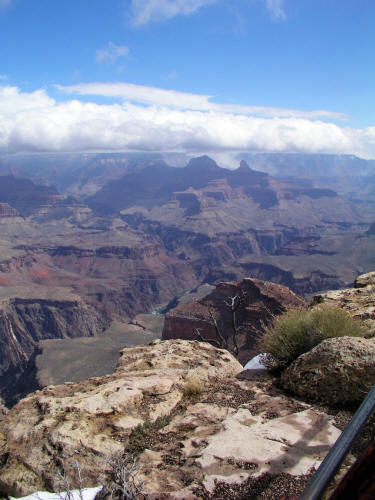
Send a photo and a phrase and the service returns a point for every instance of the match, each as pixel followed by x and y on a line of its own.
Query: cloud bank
pixel 33 122
pixel 183 100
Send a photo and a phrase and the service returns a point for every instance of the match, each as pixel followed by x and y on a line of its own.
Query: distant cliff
pixel 26 320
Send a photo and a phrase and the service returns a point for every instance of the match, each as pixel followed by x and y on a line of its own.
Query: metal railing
pixel 328 468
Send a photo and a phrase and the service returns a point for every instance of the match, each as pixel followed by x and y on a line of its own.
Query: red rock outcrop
pixel 245 307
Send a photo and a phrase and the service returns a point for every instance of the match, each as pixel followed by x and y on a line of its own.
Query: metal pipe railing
pixel 327 469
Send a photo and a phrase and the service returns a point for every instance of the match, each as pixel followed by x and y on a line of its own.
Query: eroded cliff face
pixel 123 281
pixel 26 321
pixel 241 311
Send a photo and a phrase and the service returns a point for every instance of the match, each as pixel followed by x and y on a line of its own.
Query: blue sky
pixel 188 75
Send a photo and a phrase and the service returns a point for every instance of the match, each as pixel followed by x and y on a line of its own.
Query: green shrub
pixel 298 331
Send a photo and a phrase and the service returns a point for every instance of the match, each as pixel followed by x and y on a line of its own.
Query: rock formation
pixel 26 317
pixel 57 361
pixel 169 230
pixel 7 211
pixel 338 371
pixel 358 301
pixel 245 307
pixel 228 224
pixel 365 280
pixel 231 434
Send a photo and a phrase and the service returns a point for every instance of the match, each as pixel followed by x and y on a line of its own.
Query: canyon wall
pixel 26 321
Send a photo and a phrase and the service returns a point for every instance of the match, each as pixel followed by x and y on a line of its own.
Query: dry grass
pixel 298 331
pixel 193 387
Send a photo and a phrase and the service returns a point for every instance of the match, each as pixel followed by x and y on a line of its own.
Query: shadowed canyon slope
pixel 30 315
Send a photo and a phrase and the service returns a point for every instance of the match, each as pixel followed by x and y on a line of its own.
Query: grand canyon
pixel 138 233
pixel 112 251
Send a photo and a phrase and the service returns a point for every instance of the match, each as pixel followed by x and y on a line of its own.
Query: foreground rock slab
pixel 226 433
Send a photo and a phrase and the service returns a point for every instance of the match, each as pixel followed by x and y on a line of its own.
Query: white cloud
pixel 183 100
pixel 4 77
pixel 276 8
pixel 146 11
pixel 111 53
pixel 36 122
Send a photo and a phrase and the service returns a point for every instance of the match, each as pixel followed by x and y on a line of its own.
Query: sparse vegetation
pixel 298 331
pixel 193 387
pixel 122 481
pixel 143 435
pixel 64 488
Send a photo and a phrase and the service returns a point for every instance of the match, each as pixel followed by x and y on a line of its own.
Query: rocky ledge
pixel 358 301
pixel 197 430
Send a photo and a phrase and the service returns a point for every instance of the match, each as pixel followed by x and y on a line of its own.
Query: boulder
pixel 226 437
pixel 338 371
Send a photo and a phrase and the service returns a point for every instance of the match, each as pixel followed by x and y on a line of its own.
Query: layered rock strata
pixel 7 211
pixel 28 318
pixel 230 433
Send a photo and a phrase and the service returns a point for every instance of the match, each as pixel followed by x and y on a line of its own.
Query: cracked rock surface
pixel 228 433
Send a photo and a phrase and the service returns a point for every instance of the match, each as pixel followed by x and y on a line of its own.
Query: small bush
pixel 298 331
pixel 122 483
pixel 193 387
